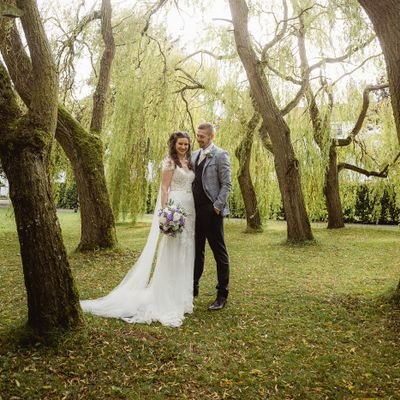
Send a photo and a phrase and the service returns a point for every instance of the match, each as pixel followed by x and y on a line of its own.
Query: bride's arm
pixel 166 178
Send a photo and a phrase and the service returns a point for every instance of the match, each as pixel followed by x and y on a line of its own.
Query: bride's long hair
pixel 172 149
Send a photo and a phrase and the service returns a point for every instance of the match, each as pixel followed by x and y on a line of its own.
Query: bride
pixel 168 294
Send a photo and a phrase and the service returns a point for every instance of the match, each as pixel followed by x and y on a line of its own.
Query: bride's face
pixel 182 146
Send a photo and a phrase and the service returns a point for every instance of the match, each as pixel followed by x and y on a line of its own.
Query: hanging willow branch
pixel 68 44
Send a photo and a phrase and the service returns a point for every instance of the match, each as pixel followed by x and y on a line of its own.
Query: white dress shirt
pixel 204 152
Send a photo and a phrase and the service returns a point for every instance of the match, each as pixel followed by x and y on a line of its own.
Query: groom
pixel 211 187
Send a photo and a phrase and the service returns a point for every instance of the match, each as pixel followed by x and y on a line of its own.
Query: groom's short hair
pixel 206 126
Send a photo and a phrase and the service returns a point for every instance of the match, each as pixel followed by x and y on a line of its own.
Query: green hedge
pixel 368 206
pixel 66 196
pixel 373 206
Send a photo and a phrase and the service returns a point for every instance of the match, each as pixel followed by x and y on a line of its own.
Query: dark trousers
pixel 210 227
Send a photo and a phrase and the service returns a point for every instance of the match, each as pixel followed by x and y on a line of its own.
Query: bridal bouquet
pixel 171 219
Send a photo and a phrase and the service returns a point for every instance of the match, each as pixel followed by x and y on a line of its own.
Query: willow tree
pixel 321 121
pixel 26 137
pixel 154 95
pixel 286 163
pixel 84 149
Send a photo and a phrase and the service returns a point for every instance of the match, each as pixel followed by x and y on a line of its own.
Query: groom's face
pixel 204 138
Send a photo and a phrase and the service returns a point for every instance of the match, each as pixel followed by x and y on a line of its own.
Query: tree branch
pixel 150 13
pixel 379 174
pixel 188 111
pixel 361 117
pixel 68 43
pixel 10 10
pixel 282 76
pixel 211 54
pixel 196 83
pixel 350 52
pixel 305 73
pixel 278 35
pixel 18 63
pixel 41 106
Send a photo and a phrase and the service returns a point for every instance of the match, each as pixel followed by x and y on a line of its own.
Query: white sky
pixel 187 25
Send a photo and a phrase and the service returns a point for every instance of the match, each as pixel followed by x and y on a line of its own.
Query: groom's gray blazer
pixel 216 177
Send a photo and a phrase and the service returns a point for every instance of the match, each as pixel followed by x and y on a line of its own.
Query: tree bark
pixel 321 134
pixel 286 164
pixel 100 93
pixel 331 192
pixel 25 144
pixel 83 149
pixel 385 17
pixel 243 154
pixel 85 152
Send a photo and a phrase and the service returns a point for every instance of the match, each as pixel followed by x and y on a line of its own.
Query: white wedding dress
pixel 168 294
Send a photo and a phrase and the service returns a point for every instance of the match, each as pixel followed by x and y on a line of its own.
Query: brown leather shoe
pixel 218 304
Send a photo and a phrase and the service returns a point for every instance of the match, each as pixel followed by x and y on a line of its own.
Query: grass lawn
pixel 302 322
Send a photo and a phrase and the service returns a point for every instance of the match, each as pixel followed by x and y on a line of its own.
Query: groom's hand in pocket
pixel 217 211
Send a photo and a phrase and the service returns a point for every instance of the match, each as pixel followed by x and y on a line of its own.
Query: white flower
pixel 162 219
pixel 177 216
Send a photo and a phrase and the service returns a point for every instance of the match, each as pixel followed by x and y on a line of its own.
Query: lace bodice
pixel 181 179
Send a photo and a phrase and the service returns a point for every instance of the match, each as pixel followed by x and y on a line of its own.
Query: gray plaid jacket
pixel 216 177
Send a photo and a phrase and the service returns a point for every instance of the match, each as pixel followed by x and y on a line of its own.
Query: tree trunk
pixel 83 149
pixel 331 192
pixel 385 16
pixel 286 164
pixel 321 134
pixel 100 93
pixel 25 143
pixel 52 299
pixel 243 154
pixel 85 152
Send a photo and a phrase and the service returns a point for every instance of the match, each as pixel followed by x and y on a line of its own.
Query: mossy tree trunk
pixel 84 150
pixel 286 164
pixel 25 144
pixel 243 154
